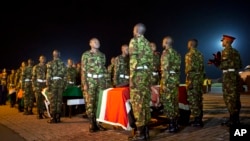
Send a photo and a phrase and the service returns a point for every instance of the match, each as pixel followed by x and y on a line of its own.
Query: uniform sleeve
pixel 188 64
pixel 83 70
pixel 49 72
pixel 116 70
pixel 34 76
pixel 133 57
pixel 224 59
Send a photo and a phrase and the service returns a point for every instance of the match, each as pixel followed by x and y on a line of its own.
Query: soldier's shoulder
pixel 86 53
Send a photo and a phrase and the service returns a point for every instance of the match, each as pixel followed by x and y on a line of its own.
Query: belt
pixel 142 67
pixel 41 81
pixel 228 70
pixel 27 80
pixel 56 78
pixel 155 73
pixel 70 82
pixel 124 76
pixel 94 75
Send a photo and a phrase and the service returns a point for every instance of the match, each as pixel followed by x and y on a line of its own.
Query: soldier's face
pixel 70 62
pixel 112 60
pixel 23 64
pixel 42 59
pixel 167 42
pixel 225 43
pixel 125 50
pixel 94 43
pixel 135 31
pixel 153 46
pixel 191 44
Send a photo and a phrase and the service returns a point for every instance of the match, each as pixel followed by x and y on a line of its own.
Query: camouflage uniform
pixel 3 87
pixel 18 78
pixel 71 76
pixel 141 67
pixel 170 79
pixel 156 65
pixel 27 88
pixel 111 73
pixel 11 80
pixel 93 73
pixel 194 80
pixel 56 79
pixel 121 70
pixel 39 83
pixel 230 63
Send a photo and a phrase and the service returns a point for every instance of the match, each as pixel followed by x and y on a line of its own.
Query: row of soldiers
pixel 32 79
pixel 145 68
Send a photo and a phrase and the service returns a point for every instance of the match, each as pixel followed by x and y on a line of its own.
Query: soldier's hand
pixel 85 87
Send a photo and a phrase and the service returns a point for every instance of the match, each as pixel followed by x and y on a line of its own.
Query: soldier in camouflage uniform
pixel 3 82
pixel 56 81
pixel 27 88
pixel 111 70
pixel 230 65
pixel 39 83
pixel 71 73
pixel 141 67
pixel 11 85
pixel 194 70
pixel 156 65
pixel 121 67
pixel 18 83
pixel 93 74
pixel 170 79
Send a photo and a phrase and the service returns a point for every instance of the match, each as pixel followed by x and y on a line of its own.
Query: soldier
pixel 141 67
pixel 230 65
pixel 194 80
pixel 56 80
pixel 3 87
pixel 111 70
pixel 71 74
pixel 121 67
pixel 26 86
pixel 156 64
pixel 39 83
pixel 18 83
pixel 170 79
pixel 93 73
pixel 11 86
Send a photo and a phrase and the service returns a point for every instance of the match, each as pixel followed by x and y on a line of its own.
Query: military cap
pixel 227 37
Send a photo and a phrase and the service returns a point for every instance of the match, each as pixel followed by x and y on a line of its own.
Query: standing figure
pixel 71 73
pixel 194 70
pixel 11 88
pixel 141 67
pixel 121 67
pixel 111 70
pixel 3 87
pixel 56 80
pixel 18 83
pixel 156 64
pixel 26 86
pixel 93 80
pixel 170 80
pixel 39 83
pixel 230 65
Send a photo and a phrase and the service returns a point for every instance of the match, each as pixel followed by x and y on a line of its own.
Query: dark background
pixel 29 29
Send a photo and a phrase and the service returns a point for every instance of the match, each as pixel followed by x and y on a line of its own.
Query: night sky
pixel 31 29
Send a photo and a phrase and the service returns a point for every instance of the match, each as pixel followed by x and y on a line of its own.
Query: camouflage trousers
pixel 39 97
pixel 169 95
pixel 231 95
pixel 156 79
pixel 95 86
pixel 194 84
pixel 56 88
pixel 140 97
pixel 28 96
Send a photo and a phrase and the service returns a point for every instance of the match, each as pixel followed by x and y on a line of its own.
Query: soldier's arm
pixel 224 59
pixel 188 63
pixel 116 70
pixel 34 77
pixel 133 59
pixel 48 74
pixel 83 70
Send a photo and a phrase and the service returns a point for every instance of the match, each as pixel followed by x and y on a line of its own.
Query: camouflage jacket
pixel 4 78
pixel 92 63
pixel 18 76
pixel 11 79
pixel 230 59
pixel 56 68
pixel 71 74
pixel 156 61
pixel 170 61
pixel 140 54
pixel 194 62
pixel 39 72
pixel 121 67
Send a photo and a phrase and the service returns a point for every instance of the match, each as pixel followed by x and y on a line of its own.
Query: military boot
pixel 235 120
pixel 139 134
pixel 146 132
pixel 52 119
pixel 197 122
pixel 26 112
pixel 30 111
pixel 173 127
pixel 92 126
pixel 58 118
pixel 228 122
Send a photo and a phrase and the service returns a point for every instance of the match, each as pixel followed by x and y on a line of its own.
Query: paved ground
pixel 76 128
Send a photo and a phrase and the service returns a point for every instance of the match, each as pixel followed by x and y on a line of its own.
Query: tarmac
pixel 14 126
